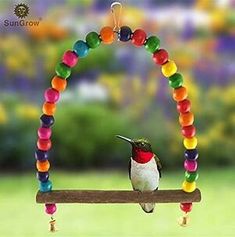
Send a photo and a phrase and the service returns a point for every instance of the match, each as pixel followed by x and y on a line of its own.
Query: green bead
pixel 191 176
pixel 62 70
pixel 152 44
pixel 93 40
pixel 176 80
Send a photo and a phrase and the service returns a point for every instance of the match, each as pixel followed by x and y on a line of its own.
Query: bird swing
pixel 186 195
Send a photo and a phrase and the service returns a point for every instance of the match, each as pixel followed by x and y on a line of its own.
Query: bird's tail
pixel 147 207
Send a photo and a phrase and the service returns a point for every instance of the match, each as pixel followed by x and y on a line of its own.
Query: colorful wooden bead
pixel 93 40
pixel 42 176
pixel 45 186
pixel 47 120
pixel 51 95
pixel 152 44
pixel 176 80
pixel 44 133
pixel 169 68
pixel 191 176
pixel 44 144
pixel 188 187
pixel 50 209
pixel 62 70
pixel 41 155
pixel 160 57
pixel 190 165
pixel 107 35
pixel 81 48
pixel 191 154
pixel 59 83
pixel 184 106
pixel 180 94
pixel 43 166
pixel 49 108
pixel 186 207
pixel 186 119
pixel 190 143
pixel 138 37
pixel 188 131
pixel 70 58
pixel 125 33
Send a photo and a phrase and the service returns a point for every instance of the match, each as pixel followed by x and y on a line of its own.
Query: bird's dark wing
pixel 159 165
pixel 129 169
pixel 160 173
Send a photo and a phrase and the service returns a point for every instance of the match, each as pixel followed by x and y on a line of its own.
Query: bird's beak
pixel 126 139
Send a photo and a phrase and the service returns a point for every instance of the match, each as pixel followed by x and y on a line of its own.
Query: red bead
pixel 160 56
pixel 186 207
pixel 44 133
pixel 70 58
pixel 50 209
pixel 44 144
pixel 190 165
pixel 189 131
pixel 184 106
pixel 139 37
pixel 51 95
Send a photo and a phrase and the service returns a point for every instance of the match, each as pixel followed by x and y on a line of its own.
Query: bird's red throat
pixel 141 156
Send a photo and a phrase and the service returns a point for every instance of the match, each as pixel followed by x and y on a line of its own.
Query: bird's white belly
pixel 144 177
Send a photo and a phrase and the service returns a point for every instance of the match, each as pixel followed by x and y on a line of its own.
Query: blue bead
pixel 42 176
pixel 191 154
pixel 47 120
pixel 125 33
pixel 81 48
pixel 41 155
pixel 45 186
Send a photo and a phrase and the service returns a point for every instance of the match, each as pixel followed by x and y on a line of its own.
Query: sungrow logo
pixel 21 23
pixel 21 11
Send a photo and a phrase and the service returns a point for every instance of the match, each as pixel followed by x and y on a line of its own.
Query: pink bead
pixel 44 133
pixel 70 58
pixel 51 95
pixel 190 165
pixel 50 209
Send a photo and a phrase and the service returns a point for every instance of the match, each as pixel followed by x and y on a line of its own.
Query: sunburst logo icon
pixel 21 10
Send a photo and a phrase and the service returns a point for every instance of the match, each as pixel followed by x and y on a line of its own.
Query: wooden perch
pixel 121 196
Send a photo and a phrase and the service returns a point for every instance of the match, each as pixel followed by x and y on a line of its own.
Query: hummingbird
pixel 144 168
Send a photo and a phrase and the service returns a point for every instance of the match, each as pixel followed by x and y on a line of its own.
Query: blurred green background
pixel 117 90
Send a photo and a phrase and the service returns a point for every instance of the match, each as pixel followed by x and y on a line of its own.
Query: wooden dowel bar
pixel 119 196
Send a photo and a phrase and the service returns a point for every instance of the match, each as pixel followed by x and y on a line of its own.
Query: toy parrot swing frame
pixel 185 196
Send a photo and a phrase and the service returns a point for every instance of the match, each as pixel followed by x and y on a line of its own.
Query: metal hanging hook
pixel 116 9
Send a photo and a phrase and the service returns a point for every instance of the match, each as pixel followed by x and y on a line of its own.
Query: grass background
pixel 21 216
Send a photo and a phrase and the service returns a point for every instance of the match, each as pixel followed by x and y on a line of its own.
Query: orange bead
pixel 43 166
pixel 49 108
pixel 180 94
pixel 186 119
pixel 107 35
pixel 59 83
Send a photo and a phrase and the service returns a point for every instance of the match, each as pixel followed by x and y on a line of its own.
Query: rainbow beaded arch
pixel 59 82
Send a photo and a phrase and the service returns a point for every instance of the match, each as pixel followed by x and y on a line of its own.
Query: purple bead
pixel 41 155
pixel 70 58
pixel 43 176
pixel 47 120
pixel 51 95
pixel 190 165
pixel 44 133
pixel 191 154
pixel 125 33
pixel 50 209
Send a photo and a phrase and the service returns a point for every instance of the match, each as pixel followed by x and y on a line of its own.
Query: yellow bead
pixel 190 143
pixel 189 187
pixel 169 68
